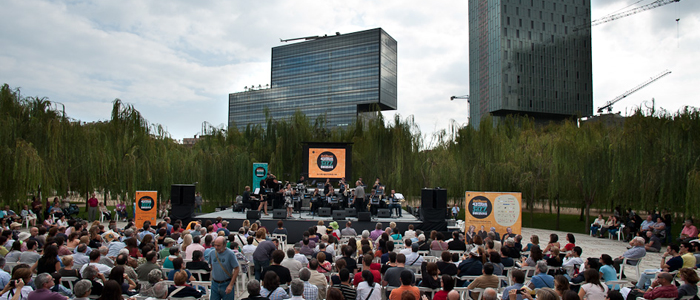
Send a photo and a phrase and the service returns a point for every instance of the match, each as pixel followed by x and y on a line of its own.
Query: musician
pixel 274 189
pixel 316 201
pixel 263 196
pixel 301 180
pixel 360 205
pixel 377 184
pixel 288 203
pixel 250 201
pixel 375 202
pixel 343 189
pixel 394 203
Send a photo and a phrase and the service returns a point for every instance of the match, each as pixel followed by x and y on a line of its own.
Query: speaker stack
pixel 182 200
pixel 433 209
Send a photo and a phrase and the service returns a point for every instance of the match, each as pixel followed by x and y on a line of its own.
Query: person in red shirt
pixel 448 283
pixel 366 263
pixel 571 242
pixel 92 208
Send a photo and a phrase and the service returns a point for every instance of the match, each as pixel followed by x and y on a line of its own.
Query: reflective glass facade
pixel 526 58
pixel 339 76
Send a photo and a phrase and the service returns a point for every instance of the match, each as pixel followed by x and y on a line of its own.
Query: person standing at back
pixel 224 271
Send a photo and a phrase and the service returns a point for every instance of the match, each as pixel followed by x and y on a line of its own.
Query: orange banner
pixel 327 163
pixel 146 207
pixel 493 209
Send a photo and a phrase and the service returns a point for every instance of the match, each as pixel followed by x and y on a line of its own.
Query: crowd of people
pixel 172 259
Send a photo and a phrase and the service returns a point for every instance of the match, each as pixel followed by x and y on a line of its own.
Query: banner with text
pixel 146 207
pixel 493 209
pixel 327 163
pixel 259 173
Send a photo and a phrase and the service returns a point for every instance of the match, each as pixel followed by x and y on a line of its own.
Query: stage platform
pixel 303 222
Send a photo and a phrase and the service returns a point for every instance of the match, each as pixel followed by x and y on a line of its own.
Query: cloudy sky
pixel 176 61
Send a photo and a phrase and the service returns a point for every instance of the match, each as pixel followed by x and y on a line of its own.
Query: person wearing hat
pixel 335 229
pixel 167 243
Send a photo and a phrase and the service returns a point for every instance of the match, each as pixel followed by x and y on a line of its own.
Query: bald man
pixel 224 270
pixel 453 295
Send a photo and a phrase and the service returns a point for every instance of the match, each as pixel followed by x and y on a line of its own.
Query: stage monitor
pixel 328 160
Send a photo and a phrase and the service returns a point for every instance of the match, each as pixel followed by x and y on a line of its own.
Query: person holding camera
pixel 16 286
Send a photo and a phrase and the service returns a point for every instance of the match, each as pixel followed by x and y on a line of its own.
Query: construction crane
pixel 608 105
pixel 460 97
pixel 623 14
pixel 308 38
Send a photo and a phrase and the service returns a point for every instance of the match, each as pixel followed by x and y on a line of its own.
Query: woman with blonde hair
pixel 186 241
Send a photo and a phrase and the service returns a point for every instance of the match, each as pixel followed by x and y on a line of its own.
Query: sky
pixel 177 61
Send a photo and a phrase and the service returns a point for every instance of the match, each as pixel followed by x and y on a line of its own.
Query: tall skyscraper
pixel 341 76
pixel 525 58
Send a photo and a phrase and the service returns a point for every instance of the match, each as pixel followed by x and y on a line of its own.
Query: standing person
pixel 263 255
pixel 288 202
pixel 224 271
pixel 92 208
pixel 36 206
pixel 359 197
pixel 198 202
pixel 455 211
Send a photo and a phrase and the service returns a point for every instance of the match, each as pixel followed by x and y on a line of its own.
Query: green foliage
pixel 652 162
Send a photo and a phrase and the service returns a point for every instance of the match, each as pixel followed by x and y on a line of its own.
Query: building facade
pixel 527 58
pixel 340 77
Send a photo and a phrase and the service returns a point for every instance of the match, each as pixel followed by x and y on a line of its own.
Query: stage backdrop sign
pixel 146 207
pixel 327 163
pixel 493 209
pixel 259 173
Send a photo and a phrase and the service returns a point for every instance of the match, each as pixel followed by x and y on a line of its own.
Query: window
pixel 529 35
pixel 520 23
pixel 532 24
pixel 555 28
pixel 555 6
pixel 517 33
pixel 505 32
pixel 518 78
pixel 507 20
pixel 517 11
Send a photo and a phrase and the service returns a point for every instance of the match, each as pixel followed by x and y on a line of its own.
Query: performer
pixel 315 201
pixel 343 189
pixel 263 195
pixel 250 201
pixel 288 203
pixel 301 180
pixel 395 203
pixel 359 196
pixel 374 203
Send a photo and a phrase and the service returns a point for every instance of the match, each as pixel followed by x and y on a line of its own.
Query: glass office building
pixel 339 76
pixel 526 58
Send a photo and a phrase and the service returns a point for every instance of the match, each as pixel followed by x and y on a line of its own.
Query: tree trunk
pixel 583 210
pixel 558 211
pixel 588 216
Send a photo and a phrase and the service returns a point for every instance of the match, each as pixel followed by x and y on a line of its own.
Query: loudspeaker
pixel 339 215
pixel 324 212
pixel 182 194
pixel 279 214
pixel 433 204
pixel 180 212
pixel 253 215
pixel 351 212
pixel 440 198
pixel 364 216
pixel 383 213
pixel 427 198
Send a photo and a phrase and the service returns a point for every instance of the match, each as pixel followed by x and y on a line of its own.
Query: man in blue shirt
pixel 541 278
pixel 673 264
pixel 224 271
pixel 518 277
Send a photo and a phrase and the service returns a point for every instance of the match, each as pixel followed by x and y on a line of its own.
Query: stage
pixel 300 223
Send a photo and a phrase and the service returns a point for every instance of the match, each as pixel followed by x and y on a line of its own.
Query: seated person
pixel 181 289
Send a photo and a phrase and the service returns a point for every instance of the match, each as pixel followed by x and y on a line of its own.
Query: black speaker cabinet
pixel 279 214
pixel 182 213
pixel 324 212
pixel 182 194
pixel 364 216
pixel 339 215
pixel 383 213
pixel 351 212
pixel 253 215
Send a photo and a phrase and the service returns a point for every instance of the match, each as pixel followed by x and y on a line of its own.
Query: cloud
pixel 176 61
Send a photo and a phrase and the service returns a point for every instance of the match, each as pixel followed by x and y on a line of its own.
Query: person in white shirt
pixel 410 233
pixel 407 244
pixel 95 262
pixel 249 249
pixel 292 264
pixel 572 259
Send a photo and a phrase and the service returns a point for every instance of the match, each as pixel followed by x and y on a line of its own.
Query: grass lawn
pixel 567 223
